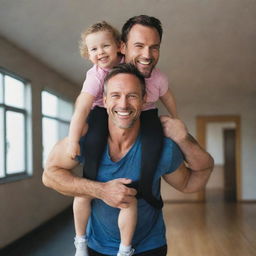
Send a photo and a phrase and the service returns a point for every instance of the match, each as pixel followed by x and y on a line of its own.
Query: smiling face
pixel 142 48
pixel 102 49
pixel 123 100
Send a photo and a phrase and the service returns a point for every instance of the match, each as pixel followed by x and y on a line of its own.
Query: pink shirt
pixel 156 86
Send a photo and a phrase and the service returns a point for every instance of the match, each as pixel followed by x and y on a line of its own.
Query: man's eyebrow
pixel 114 92
pixel 133 93
pixel 158 45
pixel 153 45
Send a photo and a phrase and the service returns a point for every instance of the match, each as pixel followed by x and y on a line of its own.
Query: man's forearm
pixel 58 176
pixel 65 182
pixel 114 192
pixel 199 164
pixel 196 157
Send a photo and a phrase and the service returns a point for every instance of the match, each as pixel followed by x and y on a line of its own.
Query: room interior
pixel 208 53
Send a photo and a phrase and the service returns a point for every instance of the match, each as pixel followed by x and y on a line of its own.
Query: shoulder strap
pixel 95 141
pixel 151 151
pixel 94 145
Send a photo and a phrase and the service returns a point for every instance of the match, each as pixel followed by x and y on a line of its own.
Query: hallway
pixel 194 229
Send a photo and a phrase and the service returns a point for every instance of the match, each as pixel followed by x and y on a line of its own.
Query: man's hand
pixel 174 129
pixel 116 194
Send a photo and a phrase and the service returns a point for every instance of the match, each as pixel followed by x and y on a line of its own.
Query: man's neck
pixel 121 140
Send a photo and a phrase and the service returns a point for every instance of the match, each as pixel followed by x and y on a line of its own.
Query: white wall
pixel 215 140
pixel 26 204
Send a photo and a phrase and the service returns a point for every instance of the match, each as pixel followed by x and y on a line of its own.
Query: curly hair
pixel 99 26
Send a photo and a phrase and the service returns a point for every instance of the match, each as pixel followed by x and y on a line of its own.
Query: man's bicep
pixel 178 178
pixel 58 157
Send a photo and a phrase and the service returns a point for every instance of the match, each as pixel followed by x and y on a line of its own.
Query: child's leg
pixel 95 143
pixel 82 211
pixel 127 221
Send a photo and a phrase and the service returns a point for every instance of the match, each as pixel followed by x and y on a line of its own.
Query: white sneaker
pixel 81 248
pixel 130 253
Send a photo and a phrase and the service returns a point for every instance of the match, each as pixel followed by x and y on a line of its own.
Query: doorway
pixel 225 180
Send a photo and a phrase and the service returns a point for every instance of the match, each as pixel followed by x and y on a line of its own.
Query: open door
pixel 233 178
pixel 230 165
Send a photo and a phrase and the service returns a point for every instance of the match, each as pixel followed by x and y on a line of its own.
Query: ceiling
pixel 198 35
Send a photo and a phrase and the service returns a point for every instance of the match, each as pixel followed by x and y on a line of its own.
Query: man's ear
pixel 123 47
pixel 104 100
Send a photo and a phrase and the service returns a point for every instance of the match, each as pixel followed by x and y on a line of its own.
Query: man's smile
pixel 144 61
pixel 123 113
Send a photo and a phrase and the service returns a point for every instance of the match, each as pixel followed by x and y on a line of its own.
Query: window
pixel 57 114
pixel 15 127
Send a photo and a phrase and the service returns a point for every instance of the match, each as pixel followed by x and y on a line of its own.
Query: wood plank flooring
pixel 193 229
pixel 212 229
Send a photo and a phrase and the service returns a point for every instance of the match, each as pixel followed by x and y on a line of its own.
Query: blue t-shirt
pixel 102 230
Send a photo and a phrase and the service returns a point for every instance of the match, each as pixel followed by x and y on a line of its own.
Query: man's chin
pixel 145 72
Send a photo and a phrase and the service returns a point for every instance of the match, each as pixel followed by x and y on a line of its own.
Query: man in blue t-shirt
pixel 120 165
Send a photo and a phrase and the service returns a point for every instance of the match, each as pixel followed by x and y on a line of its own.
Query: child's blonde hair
pixel 99 26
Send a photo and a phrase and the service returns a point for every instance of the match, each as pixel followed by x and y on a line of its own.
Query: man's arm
pixel 58 176
pixel 170 103
pixel 193 176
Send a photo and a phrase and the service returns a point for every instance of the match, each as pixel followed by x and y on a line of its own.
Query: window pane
pixel 49 104
pixel 63 130
pixel 65 110
pixel 1 143
pixel 1 88
pixel 50 136
pixel 15 136
pixel 14 92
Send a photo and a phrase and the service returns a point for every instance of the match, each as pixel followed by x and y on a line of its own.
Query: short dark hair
pixel 144 20
pixel 126 68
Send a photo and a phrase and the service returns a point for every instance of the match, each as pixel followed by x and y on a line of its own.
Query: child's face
pixel 102 49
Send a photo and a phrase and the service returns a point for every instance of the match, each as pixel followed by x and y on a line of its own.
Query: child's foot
pixel 81 247
pixel 129 253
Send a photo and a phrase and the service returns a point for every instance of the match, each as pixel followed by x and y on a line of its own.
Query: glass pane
pixel 50 136
pixel 14 92
pixel 65 110
pixel 63 130
pixel 1 88
pixel 15 139
pixel 2 143
pixel 49 104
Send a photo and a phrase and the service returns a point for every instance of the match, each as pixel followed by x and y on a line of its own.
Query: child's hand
pixel 73 149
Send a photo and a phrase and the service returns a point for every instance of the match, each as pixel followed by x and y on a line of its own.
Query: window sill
pixel 14 178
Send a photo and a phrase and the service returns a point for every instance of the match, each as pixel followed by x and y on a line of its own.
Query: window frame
pixel 26 112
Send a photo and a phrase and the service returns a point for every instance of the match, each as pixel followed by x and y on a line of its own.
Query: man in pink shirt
pixel 141 39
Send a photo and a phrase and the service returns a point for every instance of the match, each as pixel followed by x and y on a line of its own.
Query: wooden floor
pixel 212 229
pixel 193 229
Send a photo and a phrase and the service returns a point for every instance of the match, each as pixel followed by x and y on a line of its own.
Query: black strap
pixel 95 142
pixel 152 142
pixel 152 145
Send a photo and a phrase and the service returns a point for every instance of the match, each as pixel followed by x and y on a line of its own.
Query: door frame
pixel 201 123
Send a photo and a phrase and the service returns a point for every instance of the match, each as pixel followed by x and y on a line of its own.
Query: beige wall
pixel 26 204
pixel 210 59
pixel 211 62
